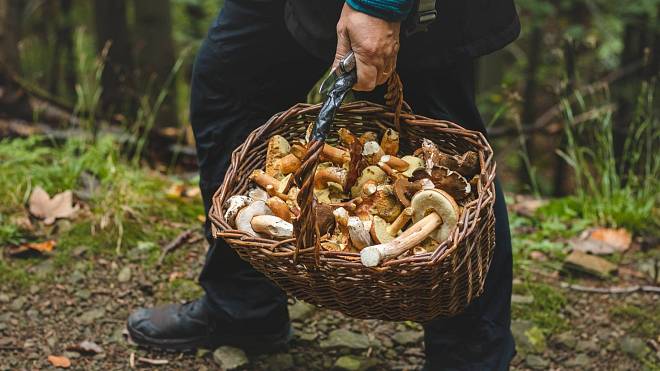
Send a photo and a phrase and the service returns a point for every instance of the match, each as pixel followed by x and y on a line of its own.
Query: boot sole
pixel 260 344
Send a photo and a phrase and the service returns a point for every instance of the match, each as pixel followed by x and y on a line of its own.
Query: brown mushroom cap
pixel 451 182
pixel 390 142
pixel 435 200
pixel 369 173
pixel 379 231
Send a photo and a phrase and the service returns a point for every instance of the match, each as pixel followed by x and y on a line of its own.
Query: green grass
pixel 612 190
pixel 128 208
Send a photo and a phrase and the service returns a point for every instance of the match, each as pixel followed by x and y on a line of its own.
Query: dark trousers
pixel 250 67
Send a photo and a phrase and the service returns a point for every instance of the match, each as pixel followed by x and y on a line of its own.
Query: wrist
pixel 389 10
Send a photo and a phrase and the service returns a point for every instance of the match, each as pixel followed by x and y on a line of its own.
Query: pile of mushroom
pixel 367 198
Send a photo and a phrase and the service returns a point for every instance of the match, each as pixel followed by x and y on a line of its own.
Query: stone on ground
pixel 230 358
pixel 408 337
pixel 633 346
pixel 345 339
pixel 124 274
pixel 300 310
pixel 580 361
pixel 529 338
pixel 585 263
pixel 355 363
pixel 567 339
pixel 536 362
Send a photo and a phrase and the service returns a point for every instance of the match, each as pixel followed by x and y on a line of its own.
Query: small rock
pixel 307 336
pixel 18 303
pixel 76 277
pixel 345 339
pixel 4 298
pixel 522 299
pixel 567 339
pixel 71 354
pixel 90 316
pixel 633 346
pixel 355 363
pixel 585 263
pixel 43 269
pixel 536 362
pixel 124 274
pixel 408 337
pixel 279 362
pixel 580 361
pixel 300 310
pixel 83 294
pixel 34 289
pixel 230 358
pixel 529 338
pixel 587 346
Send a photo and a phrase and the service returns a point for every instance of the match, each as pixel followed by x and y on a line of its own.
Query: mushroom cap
pixel 245 215
pixel 379 231
pixel 435 200
pixel 414 164
pixel 369 173
pixel 233 205
pixel 451 182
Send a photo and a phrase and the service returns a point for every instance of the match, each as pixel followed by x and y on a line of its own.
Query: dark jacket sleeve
pixel 390 10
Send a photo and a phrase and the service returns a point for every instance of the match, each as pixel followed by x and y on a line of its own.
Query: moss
pixel 546 308
pixel 644 321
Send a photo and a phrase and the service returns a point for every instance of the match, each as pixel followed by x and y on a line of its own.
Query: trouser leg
pixel 480 338
pixel 248 68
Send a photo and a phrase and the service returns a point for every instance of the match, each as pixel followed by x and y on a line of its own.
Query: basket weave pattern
pixel 418 288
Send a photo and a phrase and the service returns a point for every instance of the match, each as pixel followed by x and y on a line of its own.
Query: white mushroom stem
pixel 400 221
pixel 395 162
pixel 246 214
pixel 372 256
pixel 359 232
pixel 341 216
pixel 272 226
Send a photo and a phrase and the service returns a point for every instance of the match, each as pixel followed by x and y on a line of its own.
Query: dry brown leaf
pixel 42 247
pixel 527 205
pixel 603 241
pixel 86 346
pixel 49 209
pixel 59 361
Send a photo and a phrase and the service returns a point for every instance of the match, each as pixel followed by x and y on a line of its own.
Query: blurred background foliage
pixel 128 63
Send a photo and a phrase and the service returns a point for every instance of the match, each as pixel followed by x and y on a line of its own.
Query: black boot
pixel 192 325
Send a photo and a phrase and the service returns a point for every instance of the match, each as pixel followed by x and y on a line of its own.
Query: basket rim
pixel 242 240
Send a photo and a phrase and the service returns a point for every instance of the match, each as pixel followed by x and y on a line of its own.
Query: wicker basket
pixel 418 288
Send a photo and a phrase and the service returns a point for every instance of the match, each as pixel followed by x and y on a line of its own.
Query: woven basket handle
pixel 306 229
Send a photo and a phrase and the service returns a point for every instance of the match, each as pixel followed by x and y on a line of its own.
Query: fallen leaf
pixel 603 241
pixel 527 205
pixel 156 362
pixel 538 256
pixel 59 361
pixel 175 191
pixel 86 346
pixel 50 209
pixel 41 247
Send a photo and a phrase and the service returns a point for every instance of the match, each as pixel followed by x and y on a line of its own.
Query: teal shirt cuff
pixel 389 10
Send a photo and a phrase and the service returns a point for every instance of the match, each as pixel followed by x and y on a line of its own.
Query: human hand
pixel 375 43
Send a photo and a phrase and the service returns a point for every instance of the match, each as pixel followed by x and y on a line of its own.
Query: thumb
pixel 343 48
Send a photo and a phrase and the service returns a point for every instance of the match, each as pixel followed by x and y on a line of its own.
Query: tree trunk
pixel 155 54
pixel 13 100
pixel 112 27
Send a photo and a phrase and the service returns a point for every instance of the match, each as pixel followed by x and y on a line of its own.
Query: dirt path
pixel 91 298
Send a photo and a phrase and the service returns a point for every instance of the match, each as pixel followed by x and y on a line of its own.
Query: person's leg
pixel 247 69
pixel 480 338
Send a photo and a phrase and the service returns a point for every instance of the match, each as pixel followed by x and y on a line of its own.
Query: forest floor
pixel 84 289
